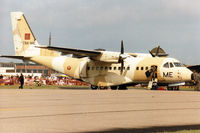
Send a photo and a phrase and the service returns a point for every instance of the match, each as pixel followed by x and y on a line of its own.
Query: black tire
pixel 113 87
pixel 169 88
pixel 154 87
pixel 102 87
pixel 93 87
pixel 122 87
pixel 176 88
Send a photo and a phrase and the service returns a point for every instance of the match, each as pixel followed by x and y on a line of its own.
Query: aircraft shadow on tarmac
pixel 155 129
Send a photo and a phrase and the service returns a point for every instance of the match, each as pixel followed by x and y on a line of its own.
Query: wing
pixel 78 52
pixel 15 57
pixel 101 55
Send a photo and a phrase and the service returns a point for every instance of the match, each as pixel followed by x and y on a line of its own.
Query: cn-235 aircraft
pixel 100 68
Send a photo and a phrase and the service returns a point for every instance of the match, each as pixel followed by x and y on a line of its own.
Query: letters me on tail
pixel 97 67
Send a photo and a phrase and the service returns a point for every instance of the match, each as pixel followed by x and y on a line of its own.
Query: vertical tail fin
pixel 24 39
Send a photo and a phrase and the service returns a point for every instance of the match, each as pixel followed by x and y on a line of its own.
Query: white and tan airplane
pixel 97 67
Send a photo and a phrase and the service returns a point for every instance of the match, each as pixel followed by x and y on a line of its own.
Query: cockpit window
pixel 171 65
pixel 166 65
pixel 177 64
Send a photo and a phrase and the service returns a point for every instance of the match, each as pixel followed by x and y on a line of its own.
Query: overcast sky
pixel 90 24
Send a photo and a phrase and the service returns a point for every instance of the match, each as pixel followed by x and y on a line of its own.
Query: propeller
pixel 122 57
pixel 50 39
pixel 157 52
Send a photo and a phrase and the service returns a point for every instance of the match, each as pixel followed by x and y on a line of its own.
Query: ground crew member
pixel 21 80
pixel 197 81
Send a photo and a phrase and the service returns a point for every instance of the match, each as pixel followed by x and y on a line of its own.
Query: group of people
pixel 29 80
pixel 53 80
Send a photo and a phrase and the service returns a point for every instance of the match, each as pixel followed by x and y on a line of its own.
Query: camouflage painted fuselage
pixel 108 74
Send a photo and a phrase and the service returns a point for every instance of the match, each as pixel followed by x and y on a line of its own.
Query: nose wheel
pixel 154 86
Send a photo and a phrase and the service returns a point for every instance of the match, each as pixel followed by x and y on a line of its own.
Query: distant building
pixel 7 68
pixel 25 68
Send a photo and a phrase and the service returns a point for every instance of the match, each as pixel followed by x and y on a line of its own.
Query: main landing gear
pixel 173 88
pixel 120 87
pixel 93 87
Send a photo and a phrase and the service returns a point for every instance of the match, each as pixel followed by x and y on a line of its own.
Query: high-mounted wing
pixel 105 56
pixel 14 57
pixel 79 52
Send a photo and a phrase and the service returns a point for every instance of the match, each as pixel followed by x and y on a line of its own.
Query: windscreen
pixel 178 64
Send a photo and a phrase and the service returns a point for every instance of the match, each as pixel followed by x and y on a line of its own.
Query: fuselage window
pixel 106 67
pixel 97 68
pixel 115 68
pixel 101 68
pixel 166 65
pixel 171 65
pixel 142 68
pixel 88 68
pixel 137 68
pixel 110 68
pixel 119 68
pixel 146 68
pixel 128 68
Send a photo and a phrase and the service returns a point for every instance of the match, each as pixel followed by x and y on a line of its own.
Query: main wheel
pixel 103 87
pixel 176 88
pixel 169 88
pixel 113 87
pixel 154 87
pixel 122 87
pixel 93 87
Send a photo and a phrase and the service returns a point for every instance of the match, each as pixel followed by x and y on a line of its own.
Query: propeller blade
pixel 122 47
pixel 157 51
pixel 121 57
pixel 122 66
pixel 151 54
pixel 50 39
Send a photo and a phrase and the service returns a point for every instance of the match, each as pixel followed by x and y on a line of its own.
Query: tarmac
pixel 97 111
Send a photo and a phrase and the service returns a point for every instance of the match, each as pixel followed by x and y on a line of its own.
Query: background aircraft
pixel 97 67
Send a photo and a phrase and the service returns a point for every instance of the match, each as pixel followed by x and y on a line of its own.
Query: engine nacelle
pixel 108 56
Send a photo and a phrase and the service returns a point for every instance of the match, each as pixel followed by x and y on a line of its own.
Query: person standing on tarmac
pixel 21 80
pixel 197 81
